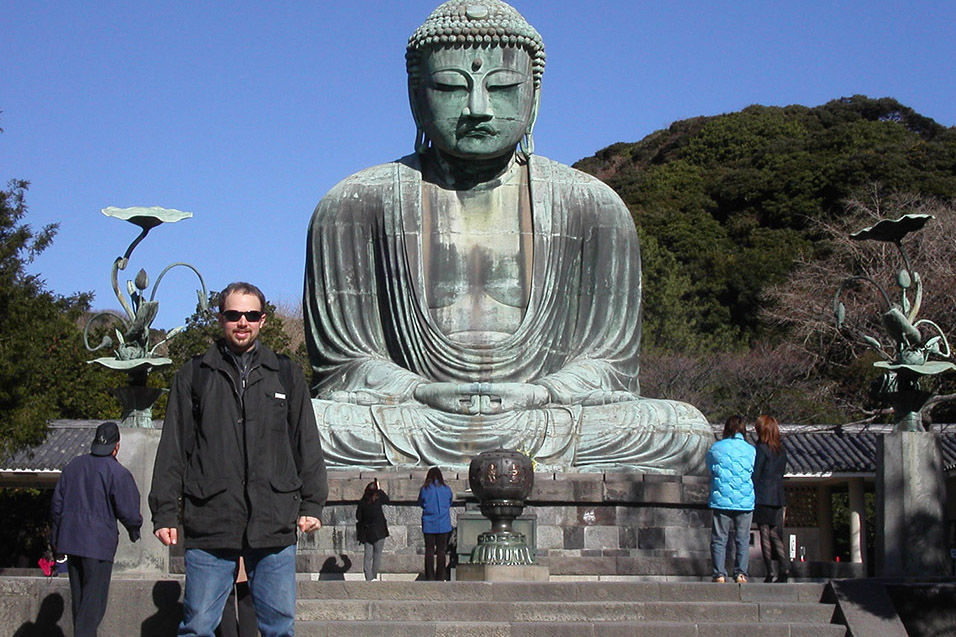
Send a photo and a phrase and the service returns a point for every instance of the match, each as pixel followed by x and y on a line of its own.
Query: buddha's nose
pixel 478 104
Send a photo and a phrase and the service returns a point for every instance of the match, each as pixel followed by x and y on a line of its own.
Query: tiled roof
pixel 66 440
pixel 845 452
pixel 832 452
pixel 948 444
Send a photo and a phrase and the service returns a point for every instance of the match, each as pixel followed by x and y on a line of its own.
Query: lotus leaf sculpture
pixel 133 353
pixel 907 358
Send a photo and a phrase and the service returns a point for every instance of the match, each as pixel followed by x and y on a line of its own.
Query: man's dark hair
pixel 241 287
pixel 734 425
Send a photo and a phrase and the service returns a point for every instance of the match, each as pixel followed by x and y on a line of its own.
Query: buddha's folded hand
pixel 505 397
pixel 481 398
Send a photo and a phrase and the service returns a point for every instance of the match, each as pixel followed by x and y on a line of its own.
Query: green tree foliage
pixel 730 203
pixel 672 321
pixel 43 369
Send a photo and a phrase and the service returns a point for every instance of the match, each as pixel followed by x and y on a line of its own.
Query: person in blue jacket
pixel 435 498
pixel 93 492
pixel 731 464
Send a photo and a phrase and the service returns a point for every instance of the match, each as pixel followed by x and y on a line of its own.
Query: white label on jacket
pixel 280 396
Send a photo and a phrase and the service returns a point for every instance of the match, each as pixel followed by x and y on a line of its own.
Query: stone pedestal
pixel 138 454
pixel 501 573
pixel 137 402
pixel 910 492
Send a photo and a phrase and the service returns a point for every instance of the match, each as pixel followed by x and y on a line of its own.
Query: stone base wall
pixel 588 524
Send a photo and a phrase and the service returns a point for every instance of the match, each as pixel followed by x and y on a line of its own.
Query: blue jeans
pixel 721 526
pixel 211 574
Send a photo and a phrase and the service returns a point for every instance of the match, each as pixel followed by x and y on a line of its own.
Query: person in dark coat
pixel 372 527
pixel 241 451
pixel 769 467
pixel 93 492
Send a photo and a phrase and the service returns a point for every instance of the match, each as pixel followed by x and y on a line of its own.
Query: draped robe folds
pixel 372 340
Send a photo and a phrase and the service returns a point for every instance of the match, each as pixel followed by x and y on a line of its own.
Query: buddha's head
pixel 474 79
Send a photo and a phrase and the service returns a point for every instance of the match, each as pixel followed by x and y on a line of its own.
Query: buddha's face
pixel 476 102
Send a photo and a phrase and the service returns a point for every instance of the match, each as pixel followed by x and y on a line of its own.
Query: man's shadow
pixel 49 615
pixel 169 610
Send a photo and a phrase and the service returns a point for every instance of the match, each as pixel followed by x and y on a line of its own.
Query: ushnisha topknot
pixel 475 23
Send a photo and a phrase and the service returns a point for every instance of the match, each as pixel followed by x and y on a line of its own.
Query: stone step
pixel 560 591
pixel 564 629
pixel 606 611
pixel 554 609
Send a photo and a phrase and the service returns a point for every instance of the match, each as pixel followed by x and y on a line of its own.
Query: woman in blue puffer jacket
pixel 731 464
pixel 435 498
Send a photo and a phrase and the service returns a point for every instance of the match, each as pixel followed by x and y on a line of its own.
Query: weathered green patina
pixel 133 353
pixel 474 295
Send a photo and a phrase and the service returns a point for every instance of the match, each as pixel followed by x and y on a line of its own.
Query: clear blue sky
pixel 246 113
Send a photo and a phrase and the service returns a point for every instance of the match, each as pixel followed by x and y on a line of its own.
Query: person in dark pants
pixel 435 498
pixel 93 492
pixel 769 467
pixel 239 614
pixel 372 527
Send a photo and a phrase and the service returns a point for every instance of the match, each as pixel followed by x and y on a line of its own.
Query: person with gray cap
pixel 93 492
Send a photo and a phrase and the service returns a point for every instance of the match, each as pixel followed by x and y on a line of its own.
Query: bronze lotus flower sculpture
pixel 133 353
pixel 914 341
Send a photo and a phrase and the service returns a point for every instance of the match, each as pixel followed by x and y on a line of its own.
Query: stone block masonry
pixel 587 525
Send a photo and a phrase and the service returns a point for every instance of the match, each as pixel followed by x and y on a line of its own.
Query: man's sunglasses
pixel 233 316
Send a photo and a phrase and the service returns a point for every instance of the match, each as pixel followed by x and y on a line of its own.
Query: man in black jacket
pixel 240 446
pixel 93 492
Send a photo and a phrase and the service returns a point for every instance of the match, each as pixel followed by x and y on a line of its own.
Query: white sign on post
pixel 793 547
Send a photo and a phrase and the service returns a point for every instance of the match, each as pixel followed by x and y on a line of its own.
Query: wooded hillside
pixel 732 208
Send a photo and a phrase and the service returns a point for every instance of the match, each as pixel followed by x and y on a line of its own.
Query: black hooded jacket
pixel 247 464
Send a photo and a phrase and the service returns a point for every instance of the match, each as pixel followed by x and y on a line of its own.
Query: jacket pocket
pixel 285 501
pixel 209 509
pixel 202 489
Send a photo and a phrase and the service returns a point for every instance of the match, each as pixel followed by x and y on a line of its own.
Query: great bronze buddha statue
pixel 475 295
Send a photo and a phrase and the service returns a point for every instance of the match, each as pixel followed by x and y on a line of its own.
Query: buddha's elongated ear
pixel 421 139
pixel 526 145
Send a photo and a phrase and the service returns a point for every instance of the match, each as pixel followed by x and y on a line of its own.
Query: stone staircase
pixel 578 609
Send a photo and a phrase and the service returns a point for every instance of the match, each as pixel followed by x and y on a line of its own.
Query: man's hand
pixel 167 536
pixel 308 524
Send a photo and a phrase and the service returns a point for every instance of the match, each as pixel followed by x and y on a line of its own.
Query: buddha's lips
pixel 477 131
